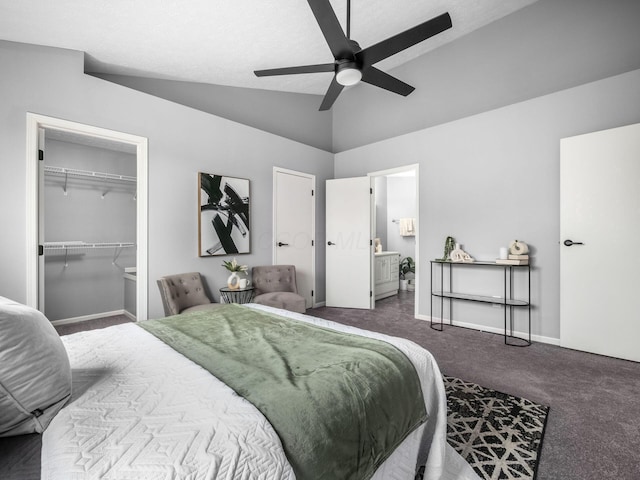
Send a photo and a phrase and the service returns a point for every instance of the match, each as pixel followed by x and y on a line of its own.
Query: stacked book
pixel 514 260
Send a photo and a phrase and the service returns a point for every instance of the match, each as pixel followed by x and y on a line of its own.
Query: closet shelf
pixel 55 247
pixel 75 245
pixel 73 172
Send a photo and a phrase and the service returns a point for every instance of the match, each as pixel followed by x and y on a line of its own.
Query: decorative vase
pixel 449 246
pixel 233 281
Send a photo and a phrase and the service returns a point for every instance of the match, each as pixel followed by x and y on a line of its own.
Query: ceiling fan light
pixel 348 74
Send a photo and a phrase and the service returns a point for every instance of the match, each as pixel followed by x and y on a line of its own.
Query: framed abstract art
pixel 223 215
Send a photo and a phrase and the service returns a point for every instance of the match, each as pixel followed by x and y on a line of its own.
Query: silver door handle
pixel 330 243
pixel 568 243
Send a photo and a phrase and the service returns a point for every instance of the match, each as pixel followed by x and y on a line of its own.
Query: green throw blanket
pixel 340 403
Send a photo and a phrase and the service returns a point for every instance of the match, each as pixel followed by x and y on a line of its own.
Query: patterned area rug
pixel 498 434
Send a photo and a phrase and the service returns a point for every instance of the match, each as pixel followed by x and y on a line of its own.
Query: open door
pixel 349 249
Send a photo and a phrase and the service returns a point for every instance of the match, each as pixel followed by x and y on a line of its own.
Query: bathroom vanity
pixel 387 275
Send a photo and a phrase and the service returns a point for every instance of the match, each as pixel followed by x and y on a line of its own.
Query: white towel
pixel 407 227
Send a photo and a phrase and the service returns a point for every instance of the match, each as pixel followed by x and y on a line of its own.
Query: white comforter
pixel 140 410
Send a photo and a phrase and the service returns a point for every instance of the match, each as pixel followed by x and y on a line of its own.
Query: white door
pixel 600 213
pixel 294 232
pixel 349 249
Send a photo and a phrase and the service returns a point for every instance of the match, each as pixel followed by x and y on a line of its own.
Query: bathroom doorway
pixel 396 230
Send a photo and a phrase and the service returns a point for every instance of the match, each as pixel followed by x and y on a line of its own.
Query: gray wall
pixel 297 116
pixel 401 203
pixel 91 283
pixel 494 177
pixel 182 141
pixel 546 47
pixel 395 199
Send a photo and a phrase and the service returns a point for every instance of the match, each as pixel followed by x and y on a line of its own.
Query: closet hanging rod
pixel 74 172
pixel 79 245
pixel 118 247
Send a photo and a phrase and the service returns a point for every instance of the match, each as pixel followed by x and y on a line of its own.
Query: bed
pixel 141 410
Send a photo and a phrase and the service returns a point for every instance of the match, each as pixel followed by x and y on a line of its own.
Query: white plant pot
pixel 233 281
pixel 403 284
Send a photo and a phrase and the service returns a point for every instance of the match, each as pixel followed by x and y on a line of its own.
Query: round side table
pixel 237 295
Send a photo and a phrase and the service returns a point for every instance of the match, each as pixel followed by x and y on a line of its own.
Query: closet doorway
pixel 395 224
pixel 89 215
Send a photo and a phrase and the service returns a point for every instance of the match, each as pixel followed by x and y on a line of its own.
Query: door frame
pixel 276 171
pixel 415 167
pixel 35 122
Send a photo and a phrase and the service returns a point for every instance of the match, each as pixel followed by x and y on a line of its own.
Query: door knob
pixel 330 243
pixel 568 243
pixel 280 244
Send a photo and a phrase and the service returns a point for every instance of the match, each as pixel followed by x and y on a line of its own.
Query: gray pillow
pixel 35 376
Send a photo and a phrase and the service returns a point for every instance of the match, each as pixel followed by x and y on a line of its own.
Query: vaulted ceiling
pixel 221 42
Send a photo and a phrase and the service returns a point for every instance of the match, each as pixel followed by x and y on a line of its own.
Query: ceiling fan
pixel 353 63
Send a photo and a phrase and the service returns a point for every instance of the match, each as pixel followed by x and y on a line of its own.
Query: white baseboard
pixel 129 315
pixel 64 321
pixel 500 331
pixel 319 304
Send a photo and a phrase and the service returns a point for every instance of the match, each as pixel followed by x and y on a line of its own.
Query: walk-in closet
pixel 88 213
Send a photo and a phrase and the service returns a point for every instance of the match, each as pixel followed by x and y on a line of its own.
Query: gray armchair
pixel 184 293
pixel 275 286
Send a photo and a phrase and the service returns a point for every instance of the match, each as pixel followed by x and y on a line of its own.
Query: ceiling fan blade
pixel 332 93
pixel 404 40
pixel 323 67
pixel 381 79
pixel 338 42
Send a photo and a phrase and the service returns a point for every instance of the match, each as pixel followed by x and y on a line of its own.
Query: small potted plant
pixel 234 267
pixel 407 265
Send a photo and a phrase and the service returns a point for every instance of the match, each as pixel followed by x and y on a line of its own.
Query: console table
pixel 507 300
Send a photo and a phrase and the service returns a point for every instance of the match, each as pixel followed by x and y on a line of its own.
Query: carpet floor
pixel 94 324
pixel 593 427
